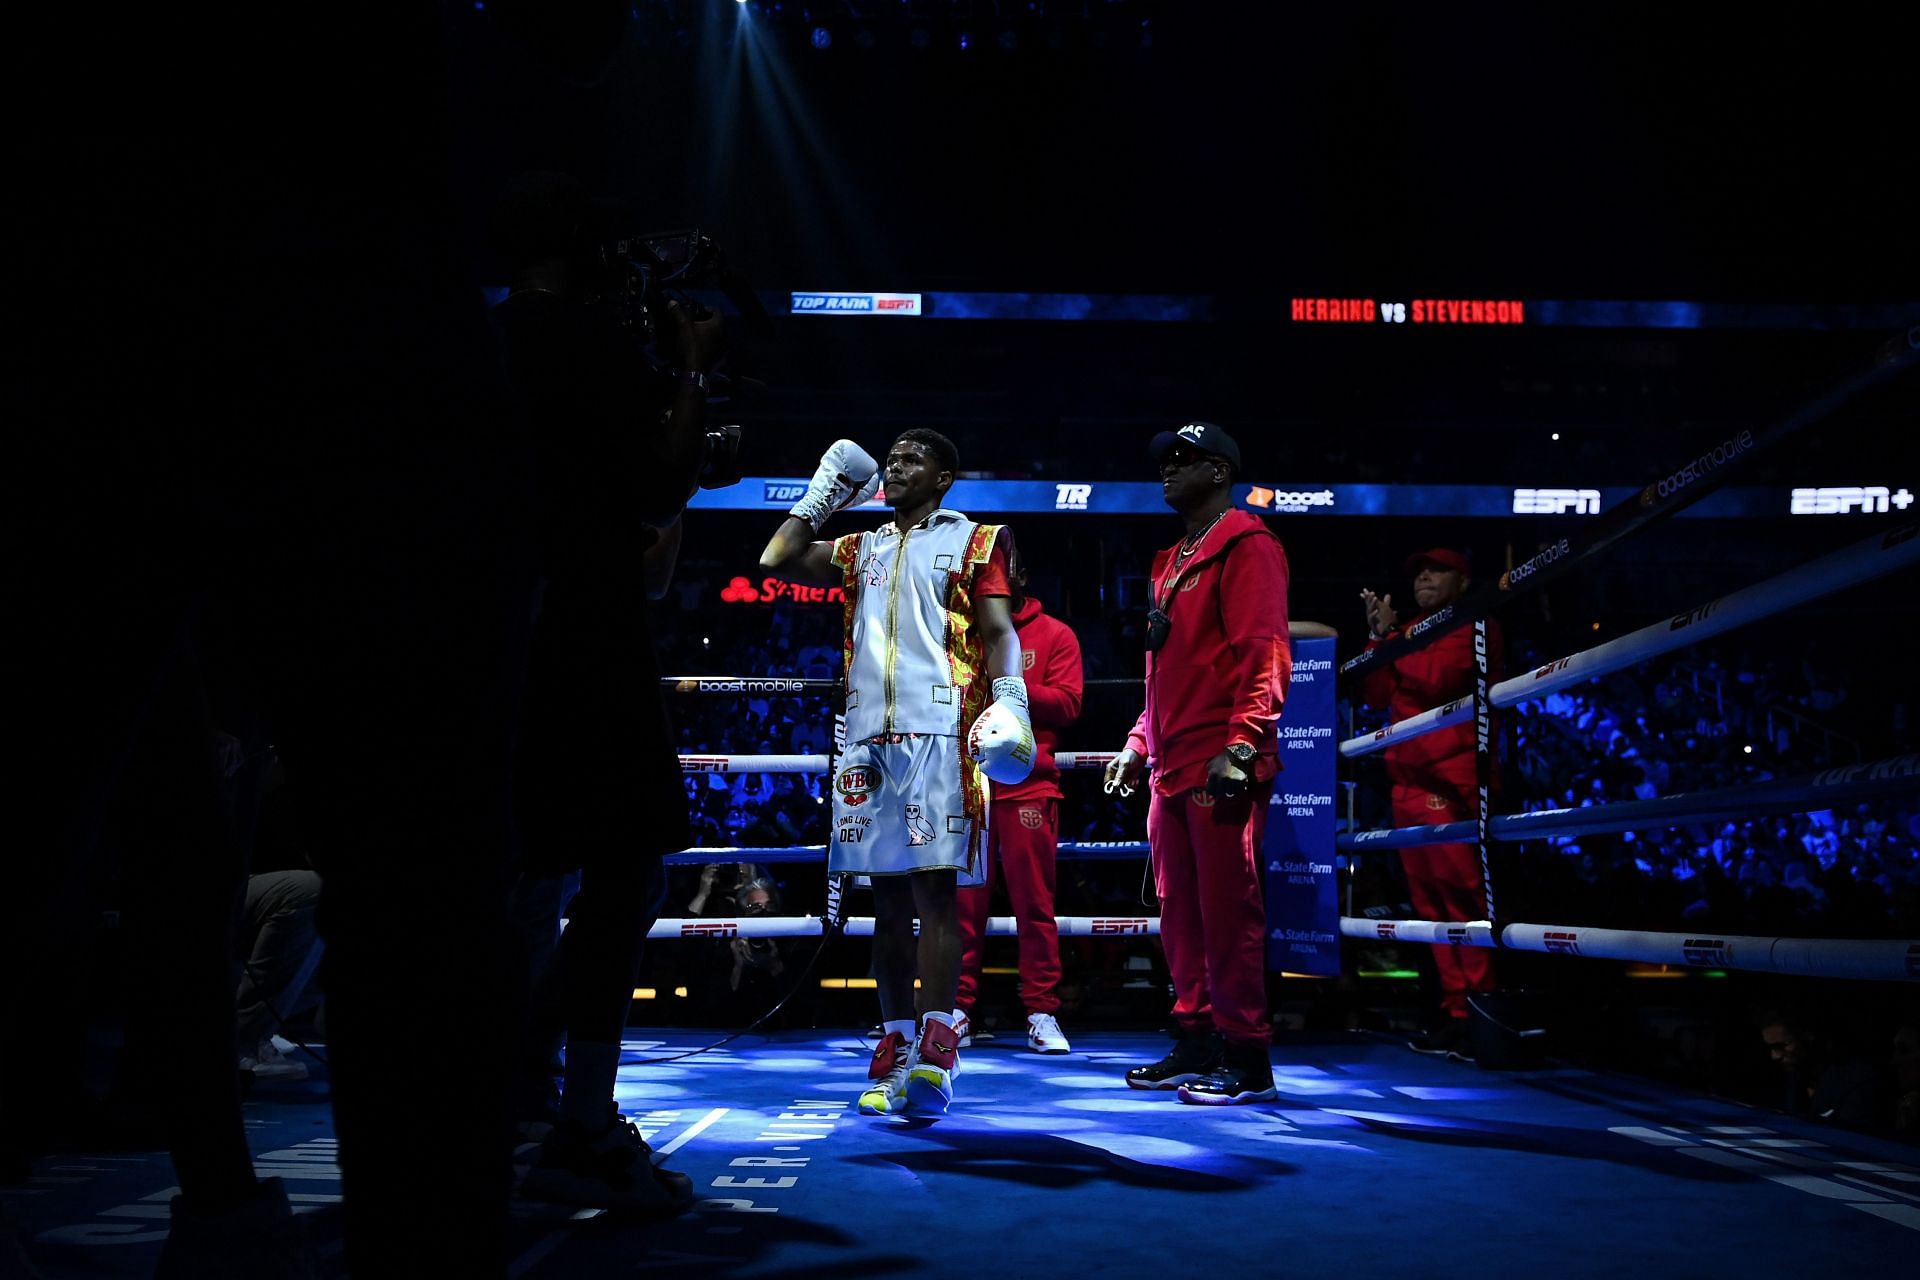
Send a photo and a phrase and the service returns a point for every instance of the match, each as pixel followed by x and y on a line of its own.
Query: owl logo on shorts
pixel 919 830
pixel 1202 797
pixel 1436 801
pixel 1031 818
pixel 856 783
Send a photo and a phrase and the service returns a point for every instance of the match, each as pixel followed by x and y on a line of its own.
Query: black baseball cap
pixel 1203 436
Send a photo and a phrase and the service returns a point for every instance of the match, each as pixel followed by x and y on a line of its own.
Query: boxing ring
pixel 1369 1155
pixel 1887 552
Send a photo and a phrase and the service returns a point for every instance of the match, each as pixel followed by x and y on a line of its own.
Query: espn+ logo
pixel 1848 500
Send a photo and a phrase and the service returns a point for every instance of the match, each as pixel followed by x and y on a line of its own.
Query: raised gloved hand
pixel 847 476
pixel 1001 740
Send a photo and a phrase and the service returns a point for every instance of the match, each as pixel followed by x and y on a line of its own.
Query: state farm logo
pixel 1289 501
pixel 1104 926
pixel 709 928
pixel 1848 500
pixel 782 491
pixel 739 591
pixel 1555 502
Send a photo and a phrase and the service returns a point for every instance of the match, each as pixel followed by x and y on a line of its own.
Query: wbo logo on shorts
pixel 856 783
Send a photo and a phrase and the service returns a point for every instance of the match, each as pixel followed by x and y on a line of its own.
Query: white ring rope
pixel 862 927
pixel 1896 775
pixel 1877 959
pixel 722 762
pixel 1874 557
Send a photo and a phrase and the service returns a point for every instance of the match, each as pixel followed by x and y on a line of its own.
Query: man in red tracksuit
pixel 1434 775
pixel 1023 829
pixel 1218 662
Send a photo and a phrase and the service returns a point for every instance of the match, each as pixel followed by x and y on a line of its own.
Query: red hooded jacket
pixel 1050 659
pixel 1221 676
pixel 1420 681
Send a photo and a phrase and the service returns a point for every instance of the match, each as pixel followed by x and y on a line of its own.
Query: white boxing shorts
pixel 899 807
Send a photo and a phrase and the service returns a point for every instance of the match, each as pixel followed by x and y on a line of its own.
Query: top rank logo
pixel 883 304
pixel 782 490
pixel 1071 497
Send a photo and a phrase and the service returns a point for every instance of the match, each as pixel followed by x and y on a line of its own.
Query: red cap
pixel 1442 557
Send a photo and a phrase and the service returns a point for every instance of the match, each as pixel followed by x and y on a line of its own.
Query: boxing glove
pixel 847 476
pixel 1001 740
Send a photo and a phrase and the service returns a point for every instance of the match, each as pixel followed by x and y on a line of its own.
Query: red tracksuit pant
pixel 1022 840
pixel 1443 882
pixel 1213 919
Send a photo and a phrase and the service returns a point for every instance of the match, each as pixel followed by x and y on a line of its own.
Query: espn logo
pixel 1100 926
pixel 709 929
pixel 1071 497
pixel 1709 952
pixel 705 764
pixel 1555 502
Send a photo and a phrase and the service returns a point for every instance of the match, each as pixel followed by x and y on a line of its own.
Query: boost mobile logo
pixel 1290 501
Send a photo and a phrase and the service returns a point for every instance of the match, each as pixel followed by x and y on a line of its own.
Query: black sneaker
pixel 1191 1057
pixel 605 1170
pixel 1245 1074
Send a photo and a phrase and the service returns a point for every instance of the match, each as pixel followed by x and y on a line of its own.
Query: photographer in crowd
pixel 619 443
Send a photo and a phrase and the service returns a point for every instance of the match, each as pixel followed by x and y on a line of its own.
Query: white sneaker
pixel 962 1029
pixel 1044 1036
pixel 266 1062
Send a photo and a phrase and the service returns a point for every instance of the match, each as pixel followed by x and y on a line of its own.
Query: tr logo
pixel 1071 497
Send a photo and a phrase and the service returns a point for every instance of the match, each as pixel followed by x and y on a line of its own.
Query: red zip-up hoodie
pixel 1050 660
pixel 1422 680
pixel 1221 676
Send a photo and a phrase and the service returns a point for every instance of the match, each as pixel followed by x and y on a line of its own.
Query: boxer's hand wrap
pixel 847 476
pixel 1001 740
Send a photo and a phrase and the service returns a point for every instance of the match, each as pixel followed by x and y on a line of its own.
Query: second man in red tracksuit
pixel 1435 776
pixel 1023 829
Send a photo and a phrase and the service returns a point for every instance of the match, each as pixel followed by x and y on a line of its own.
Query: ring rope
pixel 1882 554
pixel 1894 775
pixel 1082 850
pixel 1694 480
pixel 1876 959
pixel 862 927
